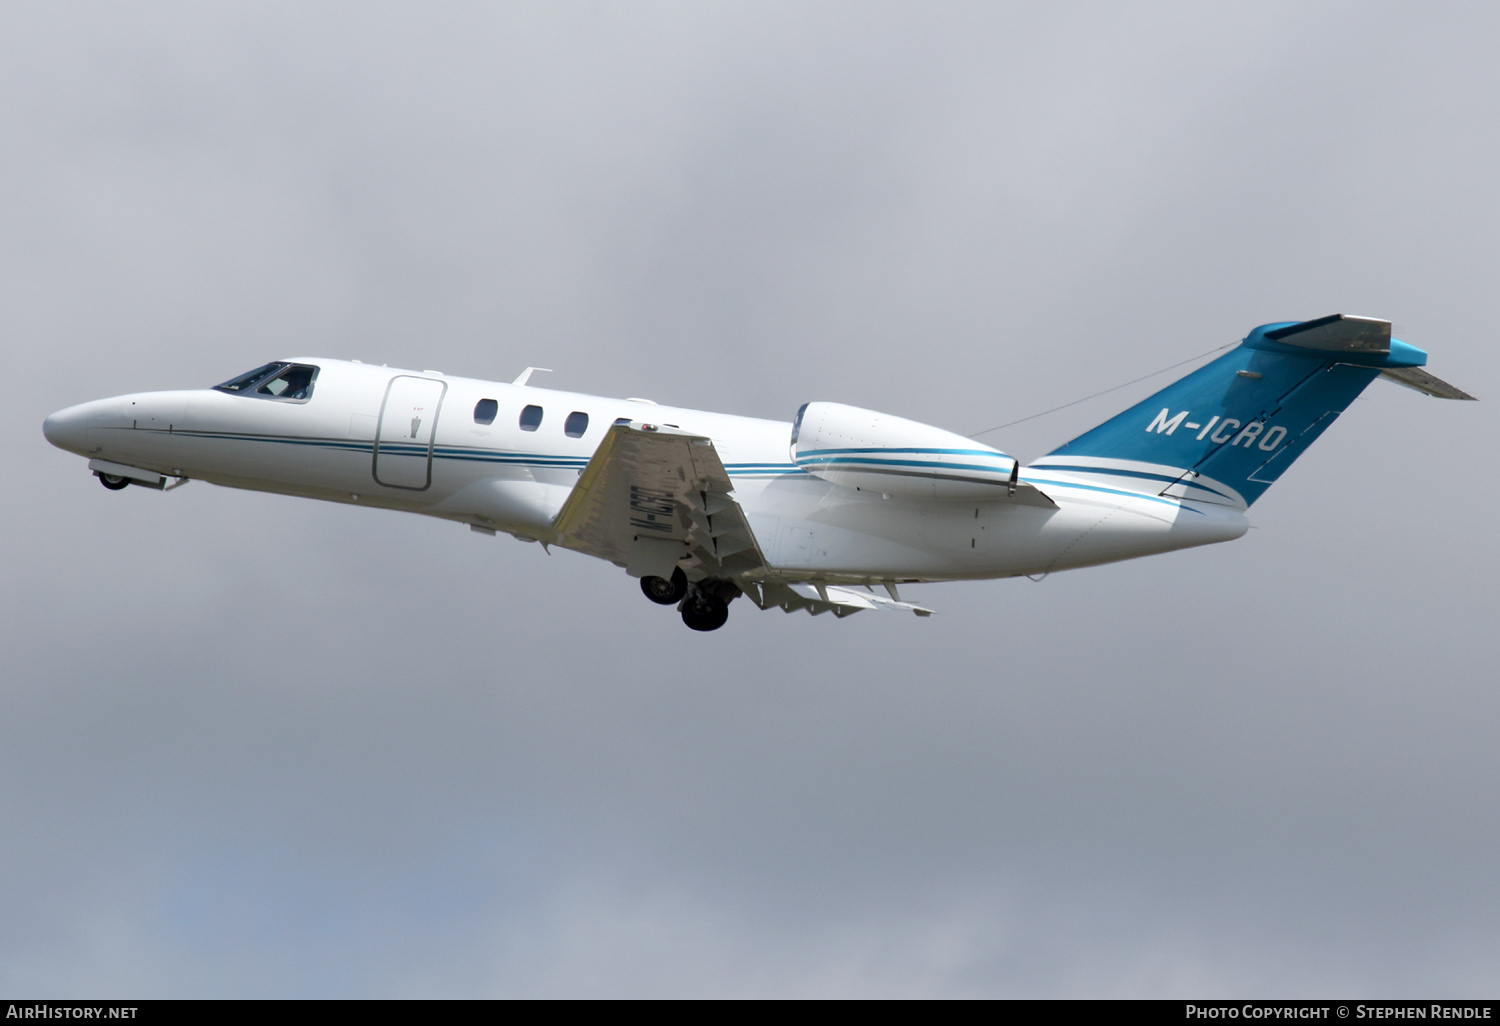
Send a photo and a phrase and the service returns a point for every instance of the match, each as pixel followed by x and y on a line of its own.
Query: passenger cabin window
pixel 485 410
pixel 576 424
pixel 292 382
pixel 531 418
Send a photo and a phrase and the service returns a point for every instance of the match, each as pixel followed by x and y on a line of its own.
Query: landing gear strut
pixel 666 591
pixel 706 607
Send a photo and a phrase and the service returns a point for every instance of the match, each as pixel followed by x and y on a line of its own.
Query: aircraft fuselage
pixel 505 457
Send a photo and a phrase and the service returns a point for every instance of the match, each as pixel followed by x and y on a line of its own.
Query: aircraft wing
pixel 655 497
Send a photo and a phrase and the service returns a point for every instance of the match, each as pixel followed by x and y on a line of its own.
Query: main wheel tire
pixel 113 482
pixel 705 613
pixel 665 591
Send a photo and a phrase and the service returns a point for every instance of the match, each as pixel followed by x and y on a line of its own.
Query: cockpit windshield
pixel 291 381
pixel 244 381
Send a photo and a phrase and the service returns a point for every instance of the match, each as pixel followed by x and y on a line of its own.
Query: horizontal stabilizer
pixel 1428 384
pixel 1337 333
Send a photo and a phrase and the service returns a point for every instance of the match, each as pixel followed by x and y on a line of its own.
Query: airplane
pixel 706 507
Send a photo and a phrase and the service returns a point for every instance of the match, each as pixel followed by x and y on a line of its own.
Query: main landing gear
pixel 113 482
pixel 704 604
pixel 704 611
pixel 666 591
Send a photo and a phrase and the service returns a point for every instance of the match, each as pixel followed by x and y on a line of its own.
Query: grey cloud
pixel 259 746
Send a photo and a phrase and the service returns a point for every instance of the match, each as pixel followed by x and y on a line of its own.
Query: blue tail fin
pixel 1227 431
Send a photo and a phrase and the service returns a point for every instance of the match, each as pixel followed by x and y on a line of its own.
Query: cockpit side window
pixel 291 382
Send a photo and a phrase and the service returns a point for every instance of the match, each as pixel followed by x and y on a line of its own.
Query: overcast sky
pixel 260 746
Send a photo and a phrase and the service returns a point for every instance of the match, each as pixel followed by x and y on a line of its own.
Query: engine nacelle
pixel 880 453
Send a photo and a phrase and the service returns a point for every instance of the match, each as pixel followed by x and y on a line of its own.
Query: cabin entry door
pixel 408 425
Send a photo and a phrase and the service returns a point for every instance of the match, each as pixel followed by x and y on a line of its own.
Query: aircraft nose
pixel 67 429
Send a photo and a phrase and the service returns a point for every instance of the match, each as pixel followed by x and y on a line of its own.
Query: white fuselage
pixel 499 476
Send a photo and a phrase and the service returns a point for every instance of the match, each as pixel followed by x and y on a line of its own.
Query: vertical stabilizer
pixel 1224 433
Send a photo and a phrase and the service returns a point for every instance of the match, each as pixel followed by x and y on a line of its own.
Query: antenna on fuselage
pixel 526 374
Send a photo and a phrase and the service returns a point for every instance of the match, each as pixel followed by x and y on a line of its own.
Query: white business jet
pixel 706 507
